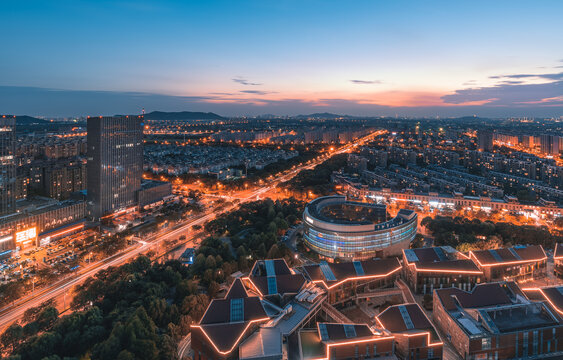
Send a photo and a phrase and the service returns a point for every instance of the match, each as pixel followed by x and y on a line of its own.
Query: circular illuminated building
pixel 336 228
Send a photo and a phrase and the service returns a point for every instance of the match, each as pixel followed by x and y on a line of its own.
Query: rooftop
pixel 407 319
pixel 333 274
pixel 274 277
pixel 440 259
pixel 495 308
pixel 506 256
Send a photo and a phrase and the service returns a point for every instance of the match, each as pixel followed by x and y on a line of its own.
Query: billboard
pixel 25 237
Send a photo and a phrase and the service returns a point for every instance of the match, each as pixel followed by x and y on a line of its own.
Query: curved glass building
pixel 336 228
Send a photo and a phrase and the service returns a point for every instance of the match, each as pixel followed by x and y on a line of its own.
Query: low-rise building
pixel 426 269
pixel 34 217
pixel 332 341
pixel 415 336
pixel 518 263
pixel 226 322
pixel 558 260
pixel 153 192
pixel 345 281
pixel 497 321
pixel 274 278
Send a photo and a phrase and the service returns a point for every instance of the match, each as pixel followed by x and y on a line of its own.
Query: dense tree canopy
pixel 468 234
pixel 136 311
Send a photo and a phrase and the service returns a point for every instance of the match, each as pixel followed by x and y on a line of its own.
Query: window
pixel 485 343
pixel 525 344
pixel 535 342
pixel 430 353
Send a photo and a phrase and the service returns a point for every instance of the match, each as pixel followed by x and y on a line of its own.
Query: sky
pixel 285 57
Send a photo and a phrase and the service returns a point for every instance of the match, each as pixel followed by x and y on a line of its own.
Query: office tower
pixel 7 164
pixel 549 144
pixel 485 140
pixel 115 163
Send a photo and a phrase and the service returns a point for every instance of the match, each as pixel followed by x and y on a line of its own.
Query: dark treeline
pixel 136 311
pixel 241 236
pixel 466 234
pixel 317 180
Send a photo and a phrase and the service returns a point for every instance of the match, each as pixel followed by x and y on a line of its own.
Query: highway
pixel 16 310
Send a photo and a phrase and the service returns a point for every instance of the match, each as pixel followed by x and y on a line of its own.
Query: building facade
pixel 497 321
pixel 518 263
pixel 7 164
pixel 115 163
pixel 336 228
pixel 426 269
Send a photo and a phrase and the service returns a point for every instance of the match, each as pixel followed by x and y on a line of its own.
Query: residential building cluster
pixel 215 160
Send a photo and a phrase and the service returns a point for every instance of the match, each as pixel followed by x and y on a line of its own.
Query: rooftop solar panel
pixel 496 255
pixel 440 253
pixel 469 326
pixel 272 285
pixel 237 310
pixel 327 272
pixel 270 270
pixel 350 331
pixel 359 269
pixel 513 252
pixel 411 256
pixel 324 332
pixel 406 317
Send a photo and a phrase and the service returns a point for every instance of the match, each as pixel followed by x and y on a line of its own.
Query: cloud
pixel 556 76
pixel 56 103
pixel 244 81
pixel 257 92
pixel 365 82
pixel 509 94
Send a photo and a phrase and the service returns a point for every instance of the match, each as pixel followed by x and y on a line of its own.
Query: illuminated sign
pixel 25 236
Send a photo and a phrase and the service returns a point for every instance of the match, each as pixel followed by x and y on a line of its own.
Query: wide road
pixel 16 310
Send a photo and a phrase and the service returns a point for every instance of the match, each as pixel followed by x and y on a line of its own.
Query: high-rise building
pixel 115 163
pixel 549 144
pixel 7 164
pixel 485 140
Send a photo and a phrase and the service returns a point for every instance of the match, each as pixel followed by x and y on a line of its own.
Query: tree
pixel 11 337
pixel 213 289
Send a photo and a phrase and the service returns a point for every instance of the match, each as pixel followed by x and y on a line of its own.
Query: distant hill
pixel 29 120
pixel 322 116
pixel 182 115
